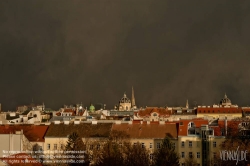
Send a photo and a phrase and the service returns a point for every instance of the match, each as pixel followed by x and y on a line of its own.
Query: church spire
pixel 187 105
pixel 133 98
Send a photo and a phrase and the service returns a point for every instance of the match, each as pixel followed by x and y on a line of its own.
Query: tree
pixel 236 139
pixel 166 155
pixel 112 151
pixel 191 161
pixel 75 147
pixel 136 155
pixel 111 155
pixel 117 150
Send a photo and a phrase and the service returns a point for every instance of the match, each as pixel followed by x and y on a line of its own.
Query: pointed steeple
pixel 225 96
pixel 43 108
pixel 133 98
pixel 187 105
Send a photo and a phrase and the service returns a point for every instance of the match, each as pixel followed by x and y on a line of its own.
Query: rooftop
pixel 34 133
pixel 83 129
pixel 153 130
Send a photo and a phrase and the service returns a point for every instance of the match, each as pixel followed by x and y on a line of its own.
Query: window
pixel 55 146
pixel 214 144
pixel 48 146
pixel 150 145
pixel 182 154
pixel 151 156
pixel 182 143
pixel 190 143
pixel 98 147
pixel 181 123
pixel 190 154
pixel 62 146
pixel 214 154
pixel 198 155
pixel 142 145
pixel 158 145
pixel 173 144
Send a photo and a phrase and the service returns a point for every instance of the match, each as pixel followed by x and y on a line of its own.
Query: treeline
pixel 118 150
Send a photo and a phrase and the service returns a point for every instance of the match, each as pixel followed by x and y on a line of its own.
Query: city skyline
pixel 82 51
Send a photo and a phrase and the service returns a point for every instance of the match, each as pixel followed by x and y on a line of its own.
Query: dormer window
pixel 154 114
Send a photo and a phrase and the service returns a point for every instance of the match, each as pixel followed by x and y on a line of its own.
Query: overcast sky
pixel 69 51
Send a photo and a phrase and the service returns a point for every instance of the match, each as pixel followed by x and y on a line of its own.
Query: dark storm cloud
pixel 63 52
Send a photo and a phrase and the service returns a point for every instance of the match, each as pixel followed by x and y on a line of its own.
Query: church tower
pixel 187 105
pixel 133 99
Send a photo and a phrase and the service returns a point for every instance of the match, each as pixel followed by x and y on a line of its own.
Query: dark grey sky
pixel 69 51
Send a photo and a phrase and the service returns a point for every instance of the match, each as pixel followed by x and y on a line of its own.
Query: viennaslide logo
pixel 233 155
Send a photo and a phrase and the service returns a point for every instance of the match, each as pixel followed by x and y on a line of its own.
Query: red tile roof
pixel 149 110
pixel 34 133
pixel 183 127
pixel 212 110
pixel 58 113
pixel 217 130
pixel 148 130
pixel 69 110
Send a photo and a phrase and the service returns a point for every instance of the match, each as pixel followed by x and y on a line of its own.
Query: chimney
pixel 76 122
pixel 117 122
pixel 225 126
pixel 94 122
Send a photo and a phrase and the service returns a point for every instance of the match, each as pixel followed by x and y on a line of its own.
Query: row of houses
pixel 39 114
pixel 187 136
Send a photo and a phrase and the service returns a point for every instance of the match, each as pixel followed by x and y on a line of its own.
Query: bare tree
pixel 166 154
pixel 191 161
pixel 237 139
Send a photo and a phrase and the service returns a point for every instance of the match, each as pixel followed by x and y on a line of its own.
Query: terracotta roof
pixel 81 113
pixel 83 130
pixel 217 130
pixel 149 110
pixel 212 110
pixel 34 133
pixel 21 159
pixel 58 113
pixel 184 125
pixel 148 130
pixel 68 110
